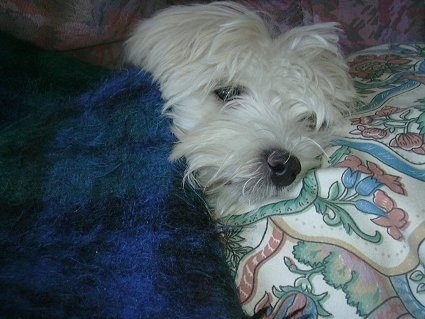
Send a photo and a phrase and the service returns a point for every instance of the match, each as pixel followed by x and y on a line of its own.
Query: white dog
pixel 252 109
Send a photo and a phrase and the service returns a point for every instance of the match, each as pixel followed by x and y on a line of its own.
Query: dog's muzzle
pixel 283 167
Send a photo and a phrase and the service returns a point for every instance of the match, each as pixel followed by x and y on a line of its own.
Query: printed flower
pixel 264 306
pixel 381 199
pixel 395 219
pixel 350 178
pixel 295 305
pixel 377 177
pixel 391 181
pixel 393 59
pixel 417 78
pixel 370 132
pixel 367 186
pixel 373 66
pixel 364 120
pixel 388 110
pixel 354 163
pixel 368 208
pixel 413 142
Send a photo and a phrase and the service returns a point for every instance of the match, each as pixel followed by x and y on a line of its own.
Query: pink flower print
pixel 389 223
pixel 370 132
pixel 373 66
pixel 396 218
pixel 381 199
pixel 364 120
pixel 393 59
pixel 417 78
pixel 355 164
pixel 388 110
pixel 391 181
pixel 295 305
pixel 378 175
pixel 264 306
pixel 409 142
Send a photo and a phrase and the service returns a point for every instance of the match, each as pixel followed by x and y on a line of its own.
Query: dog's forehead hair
pixel 290 81
pixel 269 68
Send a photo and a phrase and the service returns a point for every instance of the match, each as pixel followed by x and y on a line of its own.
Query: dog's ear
pixel 315 49
pixel 163 40
pixel 173 41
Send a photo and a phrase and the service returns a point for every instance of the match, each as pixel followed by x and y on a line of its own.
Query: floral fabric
pixel 350 244
pixel 94 30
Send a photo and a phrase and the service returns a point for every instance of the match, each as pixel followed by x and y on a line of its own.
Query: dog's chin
pixel 237 198
pixel 247 191
pixel 238 176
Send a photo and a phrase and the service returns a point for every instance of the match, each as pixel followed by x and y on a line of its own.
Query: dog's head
pixel 252 110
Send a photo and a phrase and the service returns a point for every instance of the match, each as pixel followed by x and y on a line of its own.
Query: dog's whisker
pixel 245 185
pixel 320 147
pixel 254 188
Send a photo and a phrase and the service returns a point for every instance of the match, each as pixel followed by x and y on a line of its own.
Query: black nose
pixel 283 166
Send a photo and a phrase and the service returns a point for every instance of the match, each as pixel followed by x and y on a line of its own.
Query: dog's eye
pixel 228 93
pixel 309 121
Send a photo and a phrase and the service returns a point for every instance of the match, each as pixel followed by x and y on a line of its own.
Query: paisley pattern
pixel 350 245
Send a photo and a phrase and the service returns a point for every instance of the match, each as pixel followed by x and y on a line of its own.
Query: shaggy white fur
pixel 252 110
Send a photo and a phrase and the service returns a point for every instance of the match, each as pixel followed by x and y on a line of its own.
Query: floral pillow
pixel 350 245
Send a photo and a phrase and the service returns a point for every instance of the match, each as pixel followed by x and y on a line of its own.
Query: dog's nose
pixel 283 166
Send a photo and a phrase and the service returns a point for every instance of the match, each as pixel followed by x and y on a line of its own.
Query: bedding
pixel 350 243
pixel 94 222
pixel 84 173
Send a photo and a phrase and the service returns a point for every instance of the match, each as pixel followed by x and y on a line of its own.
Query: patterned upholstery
pixel 94 30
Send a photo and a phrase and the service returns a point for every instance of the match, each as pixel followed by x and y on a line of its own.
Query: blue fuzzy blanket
pixel 94 222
